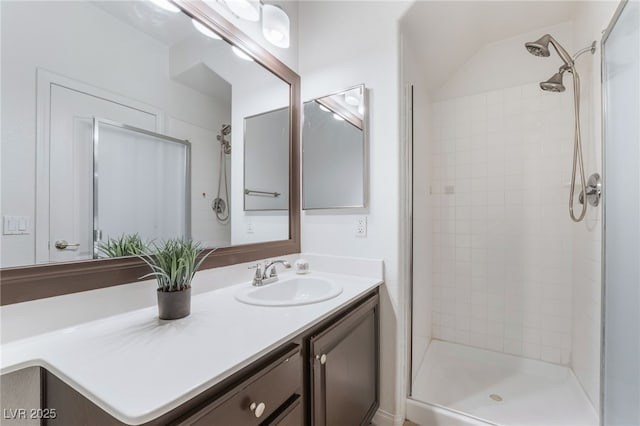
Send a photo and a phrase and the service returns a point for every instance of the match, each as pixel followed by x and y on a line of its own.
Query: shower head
pixel 554 84
pixel 225 131
pixel 539 47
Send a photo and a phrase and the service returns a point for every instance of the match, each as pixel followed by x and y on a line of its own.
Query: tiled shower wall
pixel 502 236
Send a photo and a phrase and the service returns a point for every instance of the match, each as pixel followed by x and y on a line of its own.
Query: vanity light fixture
pixel 245 9
pixel 275 21
pixel 275 26
pixel 352 99
pixel 166 5
pixel 337 117
pixel 240 54
pixel 205 31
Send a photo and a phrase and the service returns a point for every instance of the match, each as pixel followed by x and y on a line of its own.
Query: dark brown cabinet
pixel 344 383
pixel 337 385
pixel 257 398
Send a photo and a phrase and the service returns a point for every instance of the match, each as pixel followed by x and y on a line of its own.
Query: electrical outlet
pixel 250 229
pixel 361 226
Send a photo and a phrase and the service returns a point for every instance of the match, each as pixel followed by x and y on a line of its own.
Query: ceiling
pixel 450 32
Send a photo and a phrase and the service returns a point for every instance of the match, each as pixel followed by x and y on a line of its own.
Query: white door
pixel 71 166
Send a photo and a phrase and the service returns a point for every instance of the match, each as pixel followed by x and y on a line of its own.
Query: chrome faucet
pixel 263 276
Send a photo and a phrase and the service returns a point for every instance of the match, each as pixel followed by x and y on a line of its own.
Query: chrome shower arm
pixel 591 49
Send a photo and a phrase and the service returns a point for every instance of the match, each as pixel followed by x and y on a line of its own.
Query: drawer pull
pixel 322 358
pixel 258 409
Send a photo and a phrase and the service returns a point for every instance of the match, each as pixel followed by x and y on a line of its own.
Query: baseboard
pixel 383 418
pixel 426 414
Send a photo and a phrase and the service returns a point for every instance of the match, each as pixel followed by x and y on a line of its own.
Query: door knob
pixel 63 244
pixel 322 358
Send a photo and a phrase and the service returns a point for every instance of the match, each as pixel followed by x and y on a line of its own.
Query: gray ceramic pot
pixel 174 304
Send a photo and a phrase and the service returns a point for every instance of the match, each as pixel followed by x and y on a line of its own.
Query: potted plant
pixel 125 245
pixel 174 264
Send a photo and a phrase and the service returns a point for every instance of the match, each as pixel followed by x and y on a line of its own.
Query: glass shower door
pixel 142 184
pixel 621 98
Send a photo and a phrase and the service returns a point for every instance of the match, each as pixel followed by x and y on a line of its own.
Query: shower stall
pixel 519 316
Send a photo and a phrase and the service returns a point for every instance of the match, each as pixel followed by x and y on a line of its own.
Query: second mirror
pixel 334 150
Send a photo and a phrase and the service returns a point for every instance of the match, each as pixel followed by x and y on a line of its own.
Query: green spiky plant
pixel 174 264
pixel 125 245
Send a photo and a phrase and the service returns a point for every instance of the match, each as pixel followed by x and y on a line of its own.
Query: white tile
pixel 506 249
pixel 513 346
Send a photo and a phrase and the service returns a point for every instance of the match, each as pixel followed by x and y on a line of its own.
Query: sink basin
pixel 290 292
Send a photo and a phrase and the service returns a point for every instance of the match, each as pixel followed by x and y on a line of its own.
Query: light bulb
pixel 205 30
pixel 245 9
pixel 275 26
pixel 166 5
pixel 274 35
pixel 324 108
pixel 240 54
pixel 337 117
pixel 352 99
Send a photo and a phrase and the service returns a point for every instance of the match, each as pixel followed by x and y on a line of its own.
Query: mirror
pixel 124 118
pixel 334 150
pixel 266 147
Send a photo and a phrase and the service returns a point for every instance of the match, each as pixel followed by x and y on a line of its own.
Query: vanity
pixel 148 150
pixel 235 363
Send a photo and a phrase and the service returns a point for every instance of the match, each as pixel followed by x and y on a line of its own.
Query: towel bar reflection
pixel 252 192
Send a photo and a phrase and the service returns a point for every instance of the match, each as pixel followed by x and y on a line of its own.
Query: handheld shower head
pixel 554 84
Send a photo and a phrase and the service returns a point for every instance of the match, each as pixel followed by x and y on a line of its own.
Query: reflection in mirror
pixel 266 161
pixel 123 119
pixel 147 172
pixel 334 150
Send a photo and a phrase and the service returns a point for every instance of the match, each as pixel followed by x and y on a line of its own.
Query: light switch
pixel 16 225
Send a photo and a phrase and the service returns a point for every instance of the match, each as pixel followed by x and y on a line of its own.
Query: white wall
pixel 343 44
pixel 505 63
pixel 590 20
pixel 58 24
pixel 421 219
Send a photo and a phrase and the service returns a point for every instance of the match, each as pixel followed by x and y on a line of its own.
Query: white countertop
pixel 137 367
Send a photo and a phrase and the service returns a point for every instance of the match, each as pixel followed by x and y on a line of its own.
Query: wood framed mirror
pixel 41 275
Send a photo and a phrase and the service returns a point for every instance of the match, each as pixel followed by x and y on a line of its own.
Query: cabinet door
pixel 345 369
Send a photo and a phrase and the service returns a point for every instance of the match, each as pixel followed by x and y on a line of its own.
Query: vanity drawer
pixel 291 415
pixel 263 393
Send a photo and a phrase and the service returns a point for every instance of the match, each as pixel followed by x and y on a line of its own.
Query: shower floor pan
pixel 496 388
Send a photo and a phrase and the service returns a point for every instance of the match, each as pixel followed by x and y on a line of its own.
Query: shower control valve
pixel 594 190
